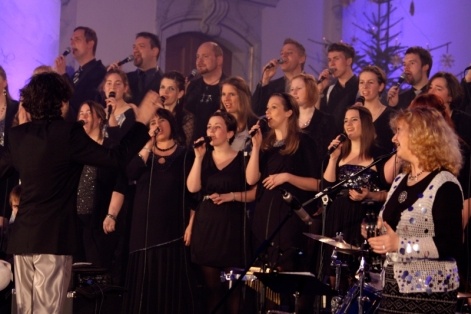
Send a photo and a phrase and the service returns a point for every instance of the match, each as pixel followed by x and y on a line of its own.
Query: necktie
pixel 76 76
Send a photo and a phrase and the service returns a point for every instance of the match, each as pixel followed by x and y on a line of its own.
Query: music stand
pixel 295 283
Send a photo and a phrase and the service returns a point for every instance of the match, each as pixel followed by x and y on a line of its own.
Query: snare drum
pixel 349 304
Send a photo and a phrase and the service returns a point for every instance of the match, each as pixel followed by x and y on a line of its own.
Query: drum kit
pixel 365 293
pixel 362 297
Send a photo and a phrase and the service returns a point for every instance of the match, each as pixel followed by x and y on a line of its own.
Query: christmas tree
pixel 380 45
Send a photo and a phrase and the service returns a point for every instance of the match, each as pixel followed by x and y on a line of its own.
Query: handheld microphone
pixel 162 99
pixel 342 138
pixel 260 120
pixel 400 80
pixel 361 100
pixel 66 51
pixel 81 122
pixel 157 131
pixel 296 206
pixel 112 94
pixel 271 65
pixel 331 71
pixel 205 140
pixel 194 73
pixel 126 60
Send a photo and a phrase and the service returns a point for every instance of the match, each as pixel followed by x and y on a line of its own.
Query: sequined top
pixel 86 190
pixel 368 179
pixel 418 266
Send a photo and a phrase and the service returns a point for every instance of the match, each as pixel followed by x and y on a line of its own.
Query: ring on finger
pixel 384 247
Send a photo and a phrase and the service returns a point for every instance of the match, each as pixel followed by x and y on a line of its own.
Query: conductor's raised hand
pixel 149 105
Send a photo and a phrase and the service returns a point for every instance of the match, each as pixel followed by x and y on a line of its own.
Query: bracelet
pixel 233 196
pixel 111 216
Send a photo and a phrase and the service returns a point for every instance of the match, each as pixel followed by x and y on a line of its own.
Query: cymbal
pixel 344 246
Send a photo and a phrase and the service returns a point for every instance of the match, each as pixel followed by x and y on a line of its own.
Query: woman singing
pixel 219 231
pixel 286 160
pixel 158 276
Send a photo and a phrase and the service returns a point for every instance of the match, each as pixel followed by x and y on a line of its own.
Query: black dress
pixel 158 270
pixel 384 133
pixel 343 214
pixel 270 209
pixel 93 198
pixel 218 230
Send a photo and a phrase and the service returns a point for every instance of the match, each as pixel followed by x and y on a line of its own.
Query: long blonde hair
pixel 431 139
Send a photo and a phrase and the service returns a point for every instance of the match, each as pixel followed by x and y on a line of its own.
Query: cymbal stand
pixel 336 301
pixel 361 274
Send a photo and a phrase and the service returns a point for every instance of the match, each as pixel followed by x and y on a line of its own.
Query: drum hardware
pixel 294 283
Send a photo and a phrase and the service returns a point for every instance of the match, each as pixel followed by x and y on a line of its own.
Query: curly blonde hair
pixel 431 139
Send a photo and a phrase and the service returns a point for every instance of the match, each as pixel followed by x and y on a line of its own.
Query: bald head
pixel 209 58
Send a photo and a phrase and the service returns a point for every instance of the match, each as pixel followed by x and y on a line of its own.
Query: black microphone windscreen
pixel 66 51
pixel 205 140
pixel 360 99
pixel 126 60
pixel 194 73
pixel 112 94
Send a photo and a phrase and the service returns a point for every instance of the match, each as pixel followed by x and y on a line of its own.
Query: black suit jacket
pixel 133 80
pixel 49 157
pixel 87 87
pixel 263 93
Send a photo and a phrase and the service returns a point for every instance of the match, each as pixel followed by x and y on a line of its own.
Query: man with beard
pixel 89 75
pixel 203 95
pixel 147 76
pixel 417 66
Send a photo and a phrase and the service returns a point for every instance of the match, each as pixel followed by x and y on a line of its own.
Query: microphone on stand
pixel 271 65
pixel 342 138
pixel 260 120
pixel 205 140
pixel 331 71
pixel 296 206
pixel 194 73
pixel 66 51
pixel 112 94
pixel 126 60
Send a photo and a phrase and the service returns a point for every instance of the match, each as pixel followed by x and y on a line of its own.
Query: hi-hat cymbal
pixel 344 246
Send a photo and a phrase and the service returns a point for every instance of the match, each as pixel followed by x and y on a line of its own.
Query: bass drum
pixel 371 299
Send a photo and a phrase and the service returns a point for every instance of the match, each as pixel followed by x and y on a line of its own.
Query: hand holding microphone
pixel 116 65
pixel 59 62
pixel 325 74
pixel 110 102
pixel 393 93
pixel 269 70
pixel 335 144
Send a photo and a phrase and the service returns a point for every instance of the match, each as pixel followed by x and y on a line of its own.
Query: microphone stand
pixel 335 187
pixel 263 247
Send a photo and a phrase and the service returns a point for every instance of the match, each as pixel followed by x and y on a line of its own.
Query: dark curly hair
pixel 44 96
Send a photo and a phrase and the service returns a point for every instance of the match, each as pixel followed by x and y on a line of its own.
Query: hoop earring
pixel 4 92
